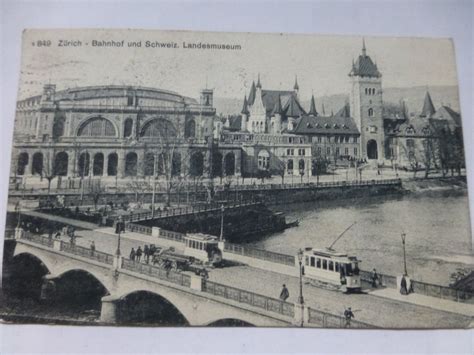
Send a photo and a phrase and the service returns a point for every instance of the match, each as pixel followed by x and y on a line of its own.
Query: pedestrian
pixel 132 254
pixel 403 286
pixel 139 253
pixel 146 252
pixel 57 235
pixel 284 294
pixel 348 315
pixel 375 278
pixel 93 246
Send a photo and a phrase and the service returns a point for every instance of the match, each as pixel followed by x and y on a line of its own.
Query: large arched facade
pixel 97 127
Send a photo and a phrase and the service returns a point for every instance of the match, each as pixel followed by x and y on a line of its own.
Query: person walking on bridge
pixel 139 253
pixel 132 254
pixel 284 294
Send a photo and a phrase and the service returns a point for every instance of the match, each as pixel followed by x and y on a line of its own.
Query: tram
pixel 203 247
pixel 333 268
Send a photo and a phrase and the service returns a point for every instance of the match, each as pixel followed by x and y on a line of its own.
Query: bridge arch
pixel 26 276
pixel 230 322
pixel 149 307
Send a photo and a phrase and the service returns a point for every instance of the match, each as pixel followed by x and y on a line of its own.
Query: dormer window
pixel 326 126
pixel 335 125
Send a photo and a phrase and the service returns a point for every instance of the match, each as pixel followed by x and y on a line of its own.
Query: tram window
pixel 306 260
pixel 336 264
pixel 312 261
pixel 318 263
pixel 325 264
pixel 349 269
pixel 331 266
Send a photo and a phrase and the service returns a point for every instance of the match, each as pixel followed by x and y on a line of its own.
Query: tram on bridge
pixel 332 268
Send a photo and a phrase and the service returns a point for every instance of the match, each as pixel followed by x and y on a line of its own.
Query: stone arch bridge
pixel 199 302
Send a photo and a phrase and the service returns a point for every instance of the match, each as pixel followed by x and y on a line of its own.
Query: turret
pixel 312 107
pixel 207 97
pixel 245 115
pixel 296 87
pixel 48 92
pixel 428 107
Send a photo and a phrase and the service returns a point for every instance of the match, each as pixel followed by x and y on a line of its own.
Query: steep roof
pixel 345 111
pixel 428 107
pixel 277 109
pixel 326 125
pixel 293 108
pixel 245 106
pixel 270 98
pixel 364 66
pixel 447 113
pixel 251 99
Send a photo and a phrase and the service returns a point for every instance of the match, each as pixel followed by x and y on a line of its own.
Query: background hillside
pixel 413 96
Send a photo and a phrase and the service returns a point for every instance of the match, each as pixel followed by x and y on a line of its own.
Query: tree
pixel 48 171
pixel 280 170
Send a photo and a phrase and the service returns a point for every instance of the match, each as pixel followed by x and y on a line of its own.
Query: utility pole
pixel 300 297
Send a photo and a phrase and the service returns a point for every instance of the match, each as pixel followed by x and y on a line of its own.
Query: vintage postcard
pixel 172 178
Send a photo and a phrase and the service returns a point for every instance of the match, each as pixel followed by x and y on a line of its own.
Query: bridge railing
pixel 176 236
pixel 253 299
pixel 177 211
pixel 328 320
pixel 87 253
pixel 443 292
pixel 154 271
pixel 137 228
pixel 260 254
pixel 36 238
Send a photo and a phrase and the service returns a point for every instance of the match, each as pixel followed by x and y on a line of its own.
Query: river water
pixel 436 224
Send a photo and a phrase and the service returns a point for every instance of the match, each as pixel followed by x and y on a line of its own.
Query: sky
pixel 320 62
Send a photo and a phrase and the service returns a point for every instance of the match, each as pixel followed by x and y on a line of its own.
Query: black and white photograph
pixel 177 178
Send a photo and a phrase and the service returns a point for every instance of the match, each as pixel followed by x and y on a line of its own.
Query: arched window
pixel 60 164
pixel 83 164
pixel 98 165
pixel 301 165
pixel 217 164
pixel 289 166
pixel 112 165
pixel 23 159
pixel 196 166
pixel 128 128
pixel 263 160
pixel 97 127
pixel 37 166
pixel 371 112
pixel 190 129
pixel 158 127
pixel 131 164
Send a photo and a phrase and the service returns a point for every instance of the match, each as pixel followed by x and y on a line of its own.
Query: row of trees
pixel 442 151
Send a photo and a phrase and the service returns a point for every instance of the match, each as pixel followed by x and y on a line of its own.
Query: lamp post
pixel 221 237
pixel 404 253
pixel 119 228
pixel 300 297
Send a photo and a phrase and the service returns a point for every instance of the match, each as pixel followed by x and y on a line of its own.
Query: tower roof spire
pixel 364 50
pixel 259 85
pixel 428 107
pixel 296 87
pixel 245 108
pixel 312 107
